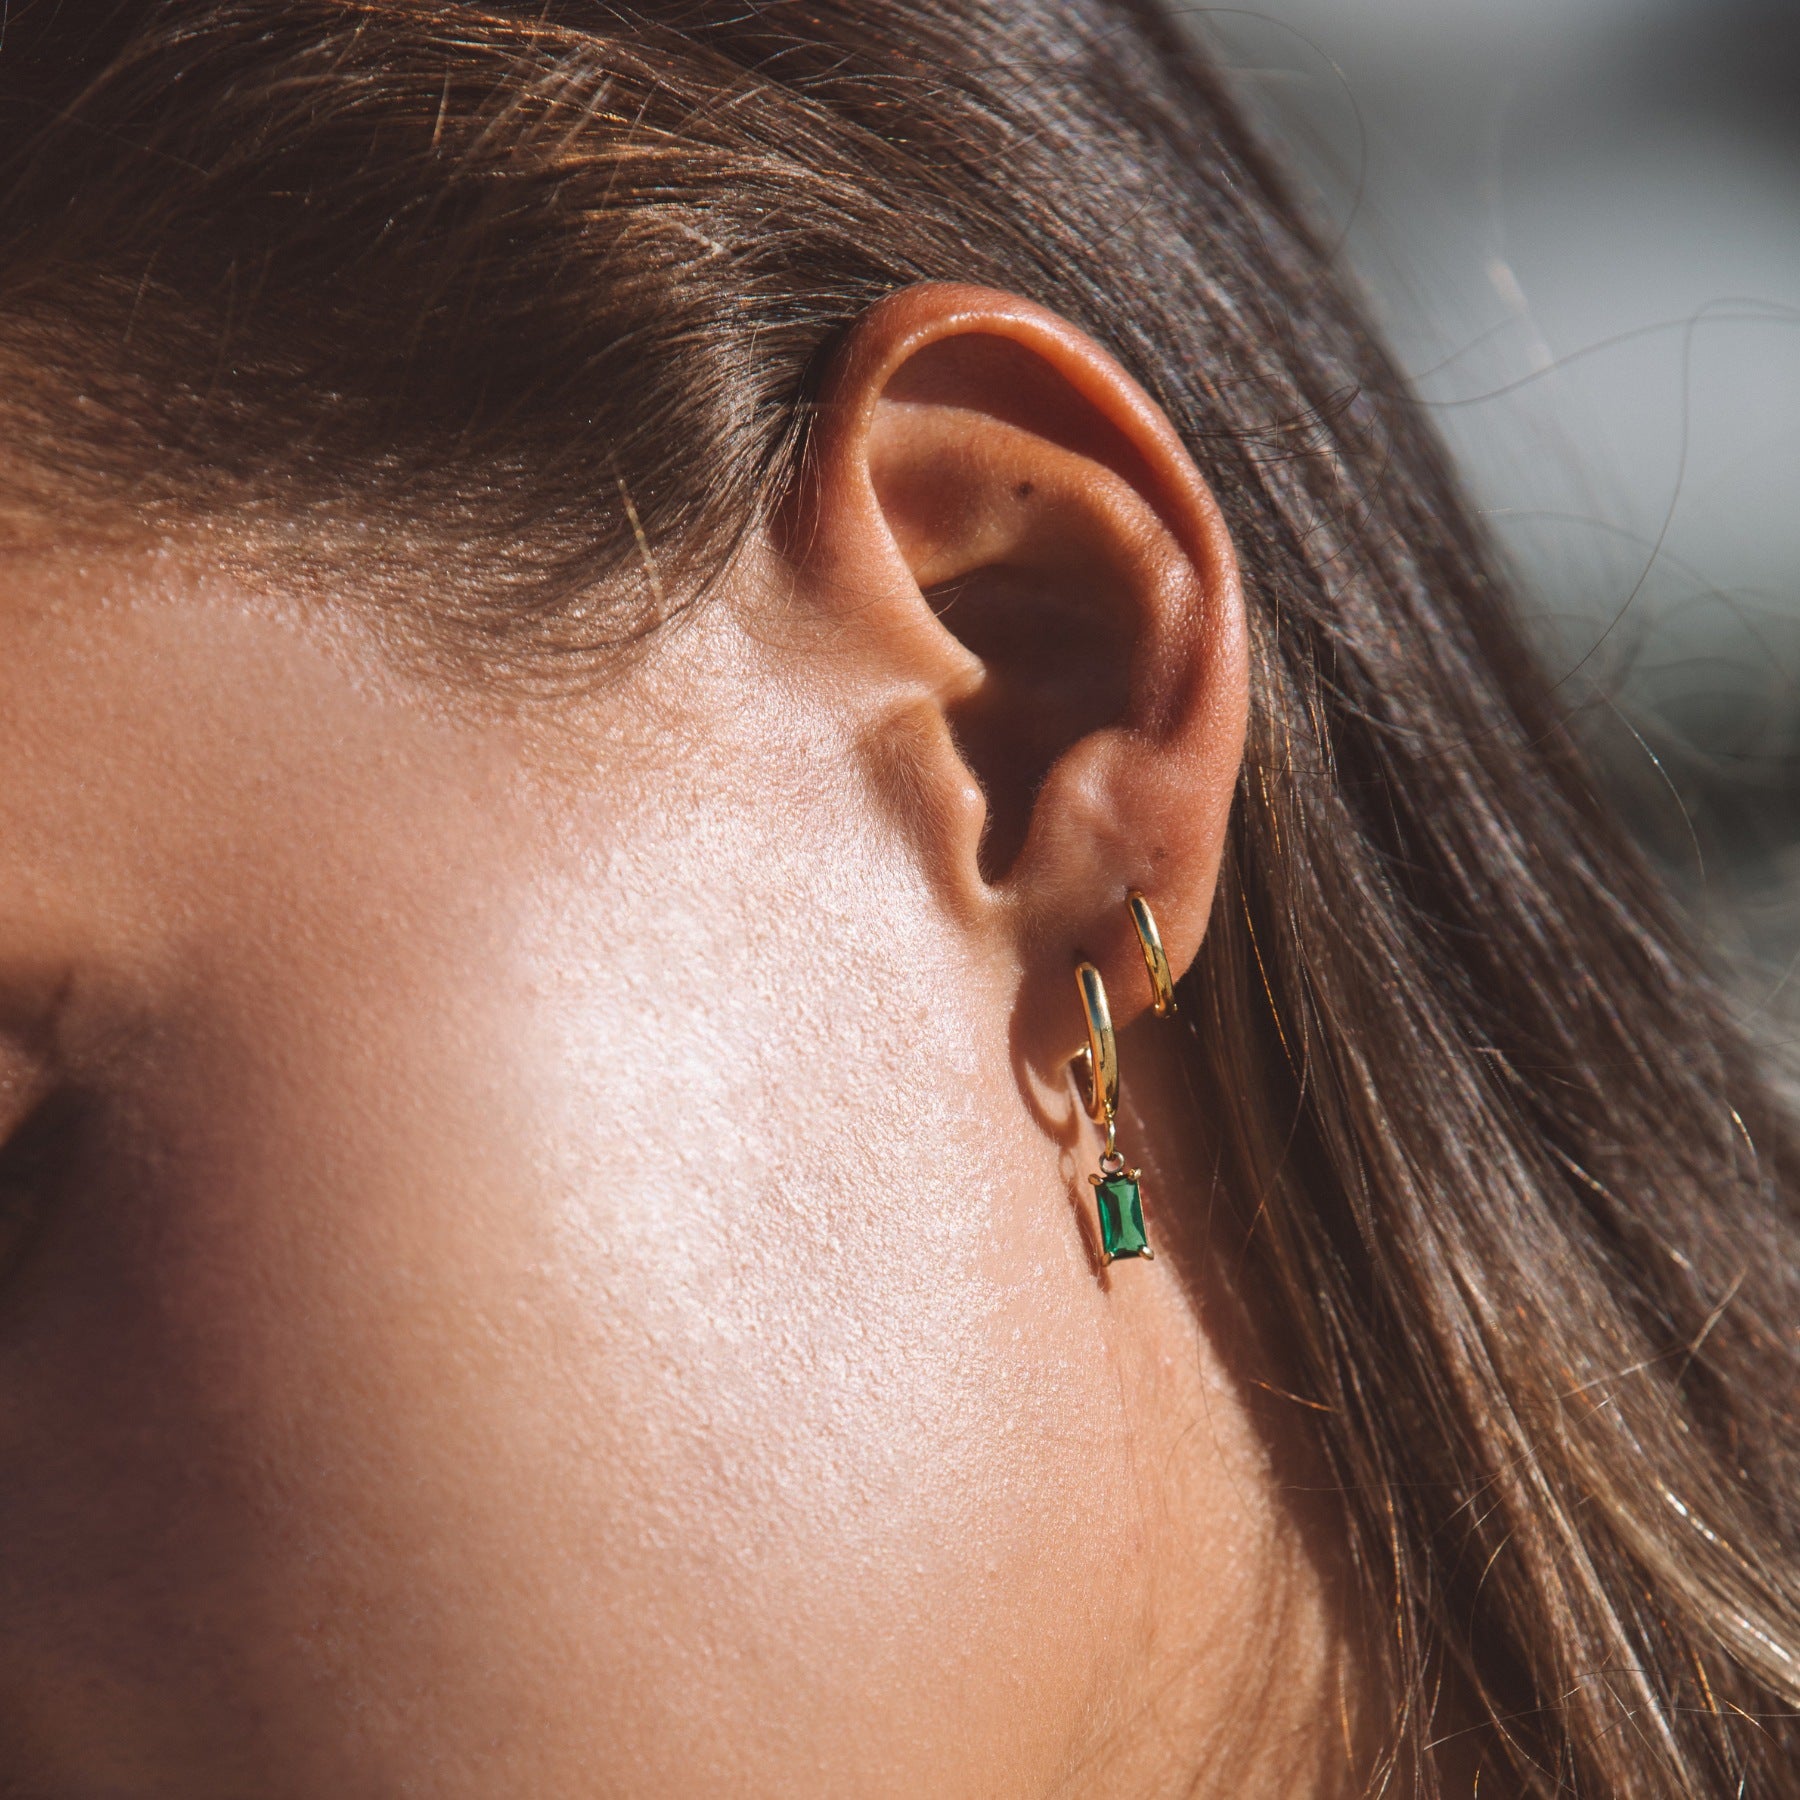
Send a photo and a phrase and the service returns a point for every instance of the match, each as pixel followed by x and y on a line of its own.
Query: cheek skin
pixel 846 1467
pixel 571 1302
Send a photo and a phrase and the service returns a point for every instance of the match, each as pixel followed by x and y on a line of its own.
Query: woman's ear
pixel 1032 585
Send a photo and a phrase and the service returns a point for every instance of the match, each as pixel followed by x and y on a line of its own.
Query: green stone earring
pixel 1116 1193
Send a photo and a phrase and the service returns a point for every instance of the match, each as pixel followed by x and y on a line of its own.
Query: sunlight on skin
pixel 564 1286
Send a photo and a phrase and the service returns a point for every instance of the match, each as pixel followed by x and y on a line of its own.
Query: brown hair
pixel 534 293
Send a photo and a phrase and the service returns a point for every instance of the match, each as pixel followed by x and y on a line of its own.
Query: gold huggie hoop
pixel 1102 1050
pixel 1116 1192
pixel 1156 964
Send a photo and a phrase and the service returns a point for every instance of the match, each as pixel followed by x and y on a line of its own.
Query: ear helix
pixel 1117 1195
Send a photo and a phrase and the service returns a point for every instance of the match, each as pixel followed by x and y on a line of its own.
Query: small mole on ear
pixel 1024 490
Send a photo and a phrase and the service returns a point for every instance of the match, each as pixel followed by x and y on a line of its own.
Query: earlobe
pixel 996 505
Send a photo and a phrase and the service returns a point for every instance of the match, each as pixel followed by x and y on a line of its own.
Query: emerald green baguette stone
pixel 1121 1217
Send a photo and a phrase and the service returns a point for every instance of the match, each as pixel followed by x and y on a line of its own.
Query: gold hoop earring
pixel 1156 964
pixel 1117 1197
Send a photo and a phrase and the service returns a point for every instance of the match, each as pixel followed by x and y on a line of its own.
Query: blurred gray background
pixel 1579 223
